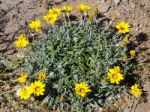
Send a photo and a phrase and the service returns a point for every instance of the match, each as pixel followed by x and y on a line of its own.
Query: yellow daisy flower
pixel 67 9
pixel 25 93
pixel 62 98
pixel 38 88
pixel 93 15
pixel 124 40
pixel 122 27
pixel 114 75
pixel 41 75
pixel 117 69
pixel 55 10
pixel 22 41
pixel 82 89
pixel 83 8
pixel 135 90
pixel 35 25
pixel 50 18
pixel 23 78
pixel 132 53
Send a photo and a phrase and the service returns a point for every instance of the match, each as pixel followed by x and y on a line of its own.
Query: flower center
pixel 41 77
pixel 81 90
pixel 136 89
pixel 122 28
pixel 37 89
pixel 114 76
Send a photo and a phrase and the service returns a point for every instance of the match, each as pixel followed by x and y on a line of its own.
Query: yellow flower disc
pixel 132 53
pixel 23 78
pixel 135 90
pixel 38 88
pixel 35 25
pixel 50 18
pixel 114 75
pixel 82 89
pixel 25 93
pixel 67 9
pixel 83 8
pixel 122 27
pixel 41 75
pixel 22 41
pixel 55 10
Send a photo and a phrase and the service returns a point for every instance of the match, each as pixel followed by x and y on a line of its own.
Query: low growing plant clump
pixel 78 64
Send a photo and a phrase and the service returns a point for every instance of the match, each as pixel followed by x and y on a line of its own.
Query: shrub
pixel 78 66
pixel 78 52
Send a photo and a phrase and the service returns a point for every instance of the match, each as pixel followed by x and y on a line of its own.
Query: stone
pixel 104 7
pixel 115 15
pixel 103 1
pixel 117 1
pixel 1 99
pixel 132 5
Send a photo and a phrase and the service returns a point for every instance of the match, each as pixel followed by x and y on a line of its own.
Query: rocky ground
pixel 16 14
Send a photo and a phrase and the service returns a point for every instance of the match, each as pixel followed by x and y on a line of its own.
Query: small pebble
pixel 117 1
pixel 104 7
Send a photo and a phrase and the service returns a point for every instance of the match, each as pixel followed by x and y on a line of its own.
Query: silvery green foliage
pixel 76 52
